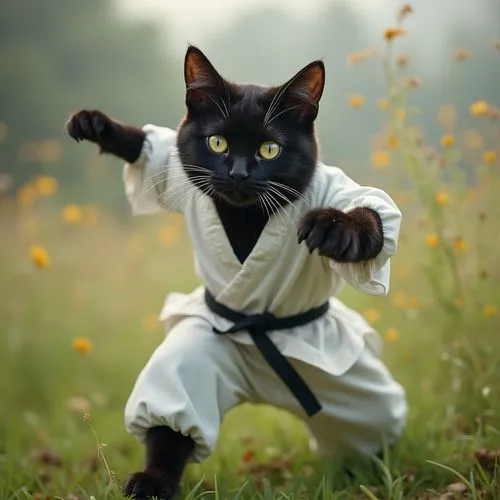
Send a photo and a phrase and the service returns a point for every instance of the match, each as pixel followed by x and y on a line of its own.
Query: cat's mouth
pixel 238 197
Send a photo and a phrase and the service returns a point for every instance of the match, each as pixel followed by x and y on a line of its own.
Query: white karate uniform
pixel 195 376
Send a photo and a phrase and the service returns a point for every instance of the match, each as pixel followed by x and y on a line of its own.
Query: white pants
pixel 195 377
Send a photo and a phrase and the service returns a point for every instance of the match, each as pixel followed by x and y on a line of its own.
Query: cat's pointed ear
pixel 204 85
pixel 302 93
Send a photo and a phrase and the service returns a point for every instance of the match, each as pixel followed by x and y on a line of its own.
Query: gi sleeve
pixel 338 190
pixel 152 182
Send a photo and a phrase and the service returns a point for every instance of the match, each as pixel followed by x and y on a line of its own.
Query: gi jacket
pixel 279 275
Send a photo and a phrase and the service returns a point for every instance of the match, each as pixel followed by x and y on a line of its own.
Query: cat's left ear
pixel 302 93
pixel 204 85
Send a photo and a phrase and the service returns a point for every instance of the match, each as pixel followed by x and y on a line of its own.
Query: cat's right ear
pixel 204 85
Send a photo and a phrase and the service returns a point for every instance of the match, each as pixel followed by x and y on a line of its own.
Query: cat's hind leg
pixel 178 402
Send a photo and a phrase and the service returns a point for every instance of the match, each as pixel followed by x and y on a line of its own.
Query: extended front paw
pixel 150 484
pixel 333 233
pixel 90 125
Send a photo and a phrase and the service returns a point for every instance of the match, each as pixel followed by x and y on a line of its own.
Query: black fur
pixel 167 452
pixel 246 115
pixel 240 113
pixel 124 141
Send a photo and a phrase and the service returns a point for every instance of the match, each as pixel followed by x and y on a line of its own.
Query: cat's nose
pixel 239 171
pixel 238 176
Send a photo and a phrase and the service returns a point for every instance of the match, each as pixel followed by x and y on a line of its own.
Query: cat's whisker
pixel 281 112
pixel 275 191
pixel 277 97
pixel 175 175
pixel 285 198
pixel 275 208
pixel 177 198
pixel 194 168
pixel 225 106
pixel 185 165
pixel 291 191
pixel 265 201
pixel 265 206
pixel 224 115
pixel 156 184
pixel 261 204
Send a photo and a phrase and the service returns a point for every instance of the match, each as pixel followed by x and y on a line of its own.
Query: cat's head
pixel 248 144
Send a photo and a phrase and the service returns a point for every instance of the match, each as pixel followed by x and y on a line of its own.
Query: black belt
pixel 257 326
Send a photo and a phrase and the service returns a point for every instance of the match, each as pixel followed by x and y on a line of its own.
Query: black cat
pixel 250 138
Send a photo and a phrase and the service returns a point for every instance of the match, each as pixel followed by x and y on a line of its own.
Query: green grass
pixel 101 284
pixel 105 281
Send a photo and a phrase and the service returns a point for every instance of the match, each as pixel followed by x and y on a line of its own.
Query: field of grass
pixel 78 321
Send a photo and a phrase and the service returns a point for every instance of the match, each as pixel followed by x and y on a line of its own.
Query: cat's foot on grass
pixel 150 484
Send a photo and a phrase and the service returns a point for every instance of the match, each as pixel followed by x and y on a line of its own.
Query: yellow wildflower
pixel 72 214
pixel 82 345
pixel 168 235
pixel 404 11
pixel 401 114
pixel 414 303
pixel 391 335
pixel 4 130
pixel 393 141
pixel 26 196
pixel 46 185
pixel 490 310
pixel 461 55
pixel 400 299
pixel 442 198
pixel 39 256
pixel 360 56
pixel 460 245
pixel 489 157
pixel 479 108
pixel 432 240
pixel 150 322
pixel 413 82
pixel 383 104
pixel 447 140
pixel 381 159
pixel 393 32
pixel 371 315
pixel 356 101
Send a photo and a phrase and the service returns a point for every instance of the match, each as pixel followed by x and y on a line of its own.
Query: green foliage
pixel 59 56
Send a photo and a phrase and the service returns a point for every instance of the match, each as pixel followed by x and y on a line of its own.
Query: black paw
pixel 334 234
pixel 150 484
pixel 89 125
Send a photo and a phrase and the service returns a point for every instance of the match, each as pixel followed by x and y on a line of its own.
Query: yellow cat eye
pixel 217 143
pixel 269 150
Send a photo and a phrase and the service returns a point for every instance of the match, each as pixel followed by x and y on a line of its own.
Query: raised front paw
pixel 335 234
pixel 150 484
pixel 90 125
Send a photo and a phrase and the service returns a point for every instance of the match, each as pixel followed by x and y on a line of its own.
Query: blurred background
pixel 414 111
pixel 125 57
